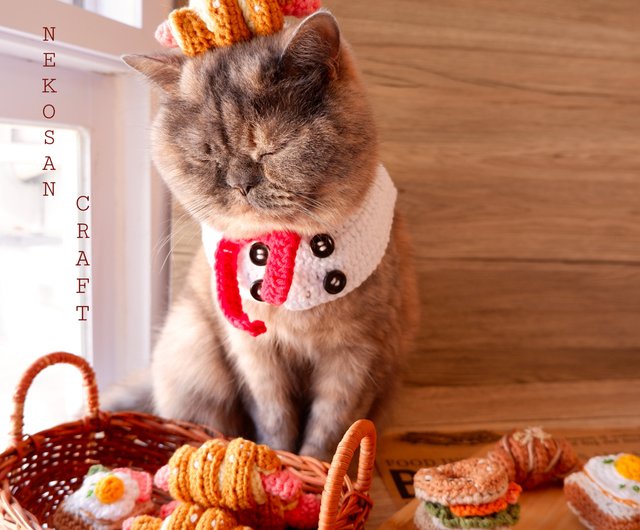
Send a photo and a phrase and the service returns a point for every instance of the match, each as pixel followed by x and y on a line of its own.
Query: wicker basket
pixel 38 471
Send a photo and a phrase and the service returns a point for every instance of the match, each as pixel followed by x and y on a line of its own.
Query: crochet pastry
pixel 471 493
pixel 215 23
pixel 237 484
pixel 534 458
pixel 105 499
pixel 606 493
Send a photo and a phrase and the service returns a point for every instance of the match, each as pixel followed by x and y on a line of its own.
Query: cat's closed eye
pixel 260 157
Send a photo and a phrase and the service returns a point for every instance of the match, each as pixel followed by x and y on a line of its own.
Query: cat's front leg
pixel 342 393
pixel 271 404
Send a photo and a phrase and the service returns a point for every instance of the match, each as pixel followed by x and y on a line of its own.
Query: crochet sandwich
pixel 471 494
pixel 606 493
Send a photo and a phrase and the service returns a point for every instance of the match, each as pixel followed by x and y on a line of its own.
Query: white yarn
pixel 360 244
pixel 602 470
pixel 605 503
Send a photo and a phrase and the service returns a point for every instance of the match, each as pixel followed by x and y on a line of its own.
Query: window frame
pixel 130 207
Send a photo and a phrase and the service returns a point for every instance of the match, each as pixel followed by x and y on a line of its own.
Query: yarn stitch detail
pixel 206 24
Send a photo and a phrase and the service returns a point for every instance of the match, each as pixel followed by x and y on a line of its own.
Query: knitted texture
pixel 161 478
pixel 299 8
pixel 602 497
pixel 533 457
pixel 142 522
pixel 209 24
pixel 275 285
pixel 305 514
pixel 164 35
pixel 241 479
pixel 278 275
pixel 469 481
pixel 167 509
pixel 467 510
pixel 360 244
pixel 282 484
pixel 264 17
pixel 226 272
pixel 142 478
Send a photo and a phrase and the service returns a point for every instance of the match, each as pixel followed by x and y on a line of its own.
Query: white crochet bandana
pixel 328 265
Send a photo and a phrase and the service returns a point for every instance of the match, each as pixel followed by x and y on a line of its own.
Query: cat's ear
pixel 314 44
pixel 162 69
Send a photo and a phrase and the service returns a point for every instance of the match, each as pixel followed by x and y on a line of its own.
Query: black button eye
pixel 256 290
pixel 335 282
pixel 259 254
pixel 322 245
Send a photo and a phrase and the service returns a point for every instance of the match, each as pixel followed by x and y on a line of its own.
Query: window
pixel 125 11
pixel 101 123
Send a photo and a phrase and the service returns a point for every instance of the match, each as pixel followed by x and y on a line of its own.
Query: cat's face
pixel 271 134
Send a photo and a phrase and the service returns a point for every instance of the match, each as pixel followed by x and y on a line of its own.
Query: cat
pixel 276 134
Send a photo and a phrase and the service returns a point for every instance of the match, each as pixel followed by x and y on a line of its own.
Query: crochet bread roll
pixel 532 457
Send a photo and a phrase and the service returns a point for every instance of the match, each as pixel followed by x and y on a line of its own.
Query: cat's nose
pixel 244 182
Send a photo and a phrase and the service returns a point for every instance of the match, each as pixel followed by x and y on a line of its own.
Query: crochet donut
pixel 470 481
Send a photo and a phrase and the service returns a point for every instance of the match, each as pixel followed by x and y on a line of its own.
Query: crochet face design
pixel 271 134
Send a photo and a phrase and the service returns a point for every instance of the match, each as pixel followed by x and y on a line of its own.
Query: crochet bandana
pixel 299 271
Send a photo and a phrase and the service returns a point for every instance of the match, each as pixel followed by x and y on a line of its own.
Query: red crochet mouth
pixel 283 248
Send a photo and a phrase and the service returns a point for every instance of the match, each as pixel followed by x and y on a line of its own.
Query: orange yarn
pixel 468 510
pixel 146 522
pixel 179 473
pixel 190 32
pixel 214 23
pixel 205 466
pixel 109 489
pixel 532 457
pixel 264 17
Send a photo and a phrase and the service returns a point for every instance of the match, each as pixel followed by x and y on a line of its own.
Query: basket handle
pixel 361 434
pixel 88 382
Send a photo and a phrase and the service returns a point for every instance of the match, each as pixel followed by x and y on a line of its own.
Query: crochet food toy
pixel 606 493
pixel 534 458
pixel 472 493
pixel 236 484
pixel 214 23
pixel 105 499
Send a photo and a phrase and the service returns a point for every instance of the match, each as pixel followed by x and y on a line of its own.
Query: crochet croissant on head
pixel 209 24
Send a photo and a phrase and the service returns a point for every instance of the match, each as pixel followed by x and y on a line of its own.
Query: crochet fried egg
pixel 108 495
pixel 618 474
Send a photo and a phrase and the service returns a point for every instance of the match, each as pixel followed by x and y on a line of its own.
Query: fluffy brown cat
pixel 276 134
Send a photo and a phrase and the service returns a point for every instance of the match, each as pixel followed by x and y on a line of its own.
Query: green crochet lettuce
pixel 507 517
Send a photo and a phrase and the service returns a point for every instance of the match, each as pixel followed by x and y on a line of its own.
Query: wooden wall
pixel 512 129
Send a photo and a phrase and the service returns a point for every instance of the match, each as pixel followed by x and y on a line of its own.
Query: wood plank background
pixel 512 130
